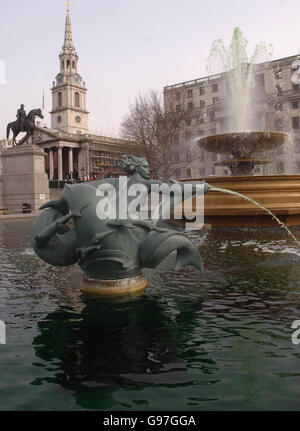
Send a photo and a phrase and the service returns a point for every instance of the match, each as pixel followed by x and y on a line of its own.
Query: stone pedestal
pixel 278 193
pixel 24 178
pixel 121 286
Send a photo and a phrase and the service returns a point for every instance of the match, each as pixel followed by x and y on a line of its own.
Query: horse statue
pixel 28 125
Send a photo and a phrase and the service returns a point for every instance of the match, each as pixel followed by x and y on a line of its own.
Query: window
pixel 59 99
pixel 58 119
pixel 215 100
pixel 212 116
pixel 63 64
pixel 297 145
pixel 202 90
pixel 178 96
pixel 213 157
pixel 215 88
pixel 190 93
pixel 280 167
pixel 203 118
pixel 77 101
pixel 279 124
pixel 73 64
pixel 202 103
pixel 188 122
pixel 278 107
pixel 177 157
pixel 295 104
pixel 189 172
pixel 223 124
pixel 278 73
pixel 178 108
pixel 295 122
pixel 278 89
pixel 260 82
pixel 190 106
pixel 68 63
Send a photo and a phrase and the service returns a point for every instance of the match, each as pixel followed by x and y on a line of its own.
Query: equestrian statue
pixel 24 123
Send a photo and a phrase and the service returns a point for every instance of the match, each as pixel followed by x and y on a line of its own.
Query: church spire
pixel 69 112
pixel 68 45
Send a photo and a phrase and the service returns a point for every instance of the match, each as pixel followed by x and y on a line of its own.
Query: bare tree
pixel 155 127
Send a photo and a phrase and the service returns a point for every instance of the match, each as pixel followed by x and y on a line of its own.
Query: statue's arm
pixel 195 189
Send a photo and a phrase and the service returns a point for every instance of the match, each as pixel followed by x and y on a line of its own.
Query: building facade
pixel 71 151
pixel 275 106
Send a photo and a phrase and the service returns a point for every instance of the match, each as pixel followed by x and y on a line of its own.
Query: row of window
pixel 202 90
pixel 294 105
pixel 191 105
pixel 259 86
pixel 279 125
pixel 76 99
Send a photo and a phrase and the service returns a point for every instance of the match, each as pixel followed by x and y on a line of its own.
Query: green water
pixel 266 210
pixel 216 340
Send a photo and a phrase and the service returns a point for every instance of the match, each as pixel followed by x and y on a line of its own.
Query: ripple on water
pixel 221 337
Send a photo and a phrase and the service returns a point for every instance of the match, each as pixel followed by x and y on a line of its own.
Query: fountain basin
pixel 278 193
pixel 241 146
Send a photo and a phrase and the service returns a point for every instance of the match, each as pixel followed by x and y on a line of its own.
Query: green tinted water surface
pixel 215 340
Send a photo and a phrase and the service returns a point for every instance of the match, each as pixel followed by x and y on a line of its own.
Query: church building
pixel 71 151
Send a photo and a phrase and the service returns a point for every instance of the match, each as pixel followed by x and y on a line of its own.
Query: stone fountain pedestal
pixel 23 177
pixel 114 287
pixel 278 193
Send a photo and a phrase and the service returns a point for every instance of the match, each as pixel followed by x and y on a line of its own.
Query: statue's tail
pixel 7 131
pixel 157 246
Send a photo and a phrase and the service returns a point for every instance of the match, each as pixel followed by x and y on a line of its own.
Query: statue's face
pixel 144 170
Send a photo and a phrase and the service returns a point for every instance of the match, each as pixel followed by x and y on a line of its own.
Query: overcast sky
pixel 127 46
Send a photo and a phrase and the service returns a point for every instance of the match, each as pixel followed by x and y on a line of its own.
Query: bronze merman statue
pixel 112 249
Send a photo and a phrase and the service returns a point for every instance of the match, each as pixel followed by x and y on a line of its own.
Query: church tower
pixel 69 112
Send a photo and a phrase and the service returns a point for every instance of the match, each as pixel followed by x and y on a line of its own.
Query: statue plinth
pixel 119 286
pixel 24 178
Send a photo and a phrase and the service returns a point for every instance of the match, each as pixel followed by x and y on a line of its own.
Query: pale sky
pixel 127 46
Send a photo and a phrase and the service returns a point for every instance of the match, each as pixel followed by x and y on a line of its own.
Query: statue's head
pixel 134 165
pixel 22 106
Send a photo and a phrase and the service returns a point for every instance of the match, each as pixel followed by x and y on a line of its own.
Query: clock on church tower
pixel 69 112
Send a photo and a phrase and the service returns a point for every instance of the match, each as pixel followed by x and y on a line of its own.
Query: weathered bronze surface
pixel 108 249
pixel 24 123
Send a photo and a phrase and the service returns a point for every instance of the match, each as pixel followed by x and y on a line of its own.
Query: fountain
pixel 95 225
pixel 241 147
pixel 278 193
